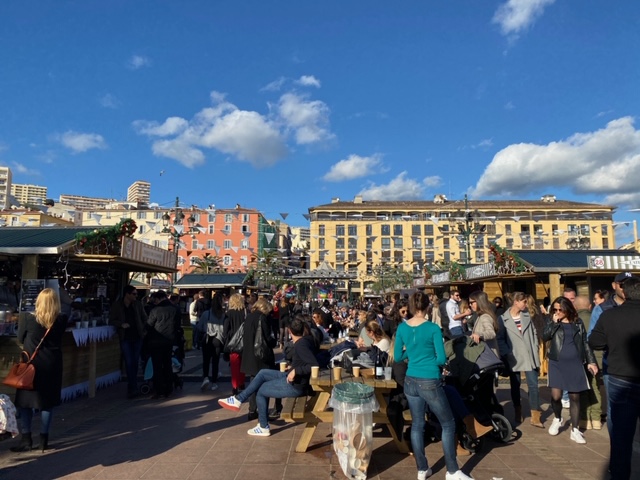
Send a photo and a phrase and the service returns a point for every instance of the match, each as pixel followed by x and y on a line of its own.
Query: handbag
pixel 236 342
pixel 21 375
pixel 260 344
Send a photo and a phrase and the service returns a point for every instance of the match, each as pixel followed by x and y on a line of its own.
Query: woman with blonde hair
pixel 45 328
pixel 233 322
pixel 376 334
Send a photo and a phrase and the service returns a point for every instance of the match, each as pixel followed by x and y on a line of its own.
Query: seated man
pixel 275 384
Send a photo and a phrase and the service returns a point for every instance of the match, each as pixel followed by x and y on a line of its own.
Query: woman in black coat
pixel 235 318
pixel 251 365
pixel 48 364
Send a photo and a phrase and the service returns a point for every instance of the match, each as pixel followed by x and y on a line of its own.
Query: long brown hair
pixel 484 307
pixel 567 307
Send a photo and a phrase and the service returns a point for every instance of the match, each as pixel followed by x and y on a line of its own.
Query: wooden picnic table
pixel 314 410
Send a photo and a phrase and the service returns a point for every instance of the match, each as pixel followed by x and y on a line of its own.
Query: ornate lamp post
pixel 469 226
pixel 176 228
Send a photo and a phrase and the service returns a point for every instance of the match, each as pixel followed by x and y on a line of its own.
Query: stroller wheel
pixel 469 443
pixel 501 427
pixel 145 389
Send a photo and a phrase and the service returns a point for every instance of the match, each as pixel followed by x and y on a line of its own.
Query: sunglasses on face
pixel 558 310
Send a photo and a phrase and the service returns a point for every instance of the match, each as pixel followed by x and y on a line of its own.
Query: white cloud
pixel 247 135
pixel 515 16
pixel 309 119
pixel 434 181
pixel 509 106
pixel 400 188
pixel 138 61
pixel 486 143
pixel 605 162
pixel 24 170
pixel 81 142
pixel 352 167
pixel 109 101
pixel 308 81
pixel 274 86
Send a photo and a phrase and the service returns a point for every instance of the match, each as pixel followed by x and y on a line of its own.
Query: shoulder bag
pixel 22 374
pixel 236 342
pixel 260 345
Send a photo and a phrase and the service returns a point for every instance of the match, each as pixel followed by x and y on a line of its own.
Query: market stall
pixel 89 270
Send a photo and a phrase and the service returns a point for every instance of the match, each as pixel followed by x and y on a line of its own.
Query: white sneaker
pixel 576 436
pixel 424 474
pixel 214 386
pixel 258 431
pixel 205 384
pixel 554 429
pixel 565 403
pixel 231 403
pixel 459 475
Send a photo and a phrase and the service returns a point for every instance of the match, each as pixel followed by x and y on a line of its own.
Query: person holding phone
pixel 569 353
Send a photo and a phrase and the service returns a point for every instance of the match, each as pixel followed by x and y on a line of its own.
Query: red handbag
pixel 21 375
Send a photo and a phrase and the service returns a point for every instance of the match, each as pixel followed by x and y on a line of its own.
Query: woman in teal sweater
pixel 421 343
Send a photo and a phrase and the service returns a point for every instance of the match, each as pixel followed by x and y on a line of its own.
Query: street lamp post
pixel 175 229
pixel 468 227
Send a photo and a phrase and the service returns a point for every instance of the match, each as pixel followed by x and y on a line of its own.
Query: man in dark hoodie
pixel 163 323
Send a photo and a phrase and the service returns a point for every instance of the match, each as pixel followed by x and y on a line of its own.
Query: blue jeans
pixel 269 384
pixel 532 385
pixel 26 416
pixel 131 354
pixel 422 393
pixel 456 332
pixel 624 409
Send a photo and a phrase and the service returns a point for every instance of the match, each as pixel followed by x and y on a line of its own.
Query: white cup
pixel 315 371
pixel 356 371
pixel 387 373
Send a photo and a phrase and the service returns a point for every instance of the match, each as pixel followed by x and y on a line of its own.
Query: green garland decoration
pixel 105 241
pixel 456 272
pixel 506 261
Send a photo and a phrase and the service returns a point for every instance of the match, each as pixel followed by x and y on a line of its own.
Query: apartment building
pixel 359 236
pixel 29 194
pixel 82 202
pixel 5 188
pixel 139 192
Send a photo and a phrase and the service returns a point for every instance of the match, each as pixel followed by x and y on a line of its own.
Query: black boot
pixel 44 442
pixel 25 445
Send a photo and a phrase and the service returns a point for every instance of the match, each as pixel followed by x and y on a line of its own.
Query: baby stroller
pixel 473 370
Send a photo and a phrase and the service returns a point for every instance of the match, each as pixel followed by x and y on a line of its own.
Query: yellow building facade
pixel 369 238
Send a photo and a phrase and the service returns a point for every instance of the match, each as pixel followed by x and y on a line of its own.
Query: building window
pixel 507 229
pixel 244 244
pixel 445 243
pixel 227 228
pixel 340 256
pixel 397 230
pixel 227 244
pixel 415 230
pixel 211 244
pixel 416 256
pixel 386 243
pixel 353 243
pixel 322 255
pixel 340 230
pixel 573 230
pixel 321 243
pixel 428 243
pixel 142 229
pixel 245 228
pixel 228 218
pixel 227 260
pixel 397 242
pixel 352 230
pixel 180 260
pixel 158 216
pixel 509 243
pixel 194 244
pixel 585 230
pixel 212 229
pixel 353 256
pixel 212 218
pixel 321 230
pixel 604 229
pixel 480 256
pixel 447 257
pixel 428 230
pixel 605 242
pixel 245 218
pixel 339 242
pixel 385 230
pixel 244 260
pixel 416 242
pixel 193 260
pixel 368 229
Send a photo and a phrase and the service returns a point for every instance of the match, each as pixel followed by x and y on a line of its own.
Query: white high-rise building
pixel 139 192
pixel 5 188
pixel 29 194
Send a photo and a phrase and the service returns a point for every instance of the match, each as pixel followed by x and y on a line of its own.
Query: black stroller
pixel 177 364
pixel 473 370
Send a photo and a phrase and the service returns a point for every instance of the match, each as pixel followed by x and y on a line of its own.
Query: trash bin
pixel 353 405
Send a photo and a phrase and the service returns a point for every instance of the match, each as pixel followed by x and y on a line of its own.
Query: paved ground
pixel 189 437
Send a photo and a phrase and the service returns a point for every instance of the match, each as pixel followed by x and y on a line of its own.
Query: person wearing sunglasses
pixel 569 353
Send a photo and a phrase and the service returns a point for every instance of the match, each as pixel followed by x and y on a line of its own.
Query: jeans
pixel 624 409
pixel 26 416
pixel 532 385
pixel 422 393
pixel 456 332
pixel 131 353
pixel 269 384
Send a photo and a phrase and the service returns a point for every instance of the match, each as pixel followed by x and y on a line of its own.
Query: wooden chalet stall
pixel 88 280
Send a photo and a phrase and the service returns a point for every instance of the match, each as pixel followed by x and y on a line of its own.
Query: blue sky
pixel 282 105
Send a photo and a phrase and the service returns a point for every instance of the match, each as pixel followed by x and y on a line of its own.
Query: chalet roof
pixel 37 240
pixel 324 271
pixel 211 280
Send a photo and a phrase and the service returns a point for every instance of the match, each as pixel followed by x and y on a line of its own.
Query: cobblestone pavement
pixel 188 436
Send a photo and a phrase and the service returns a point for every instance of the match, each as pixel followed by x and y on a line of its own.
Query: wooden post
pixel 555 290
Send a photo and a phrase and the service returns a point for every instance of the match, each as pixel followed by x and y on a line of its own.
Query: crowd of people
pixel 588 344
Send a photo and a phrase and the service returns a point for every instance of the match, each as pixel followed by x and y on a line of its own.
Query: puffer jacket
pixel 553 332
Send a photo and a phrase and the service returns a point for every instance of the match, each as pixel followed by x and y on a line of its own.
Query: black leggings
pixel 211 350
pixel 574 405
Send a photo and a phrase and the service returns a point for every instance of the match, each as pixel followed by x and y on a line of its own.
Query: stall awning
pixel 211 280
pixel 324 272
pixel 37 240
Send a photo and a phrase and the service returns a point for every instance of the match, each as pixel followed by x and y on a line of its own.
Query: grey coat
pixel 518 349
